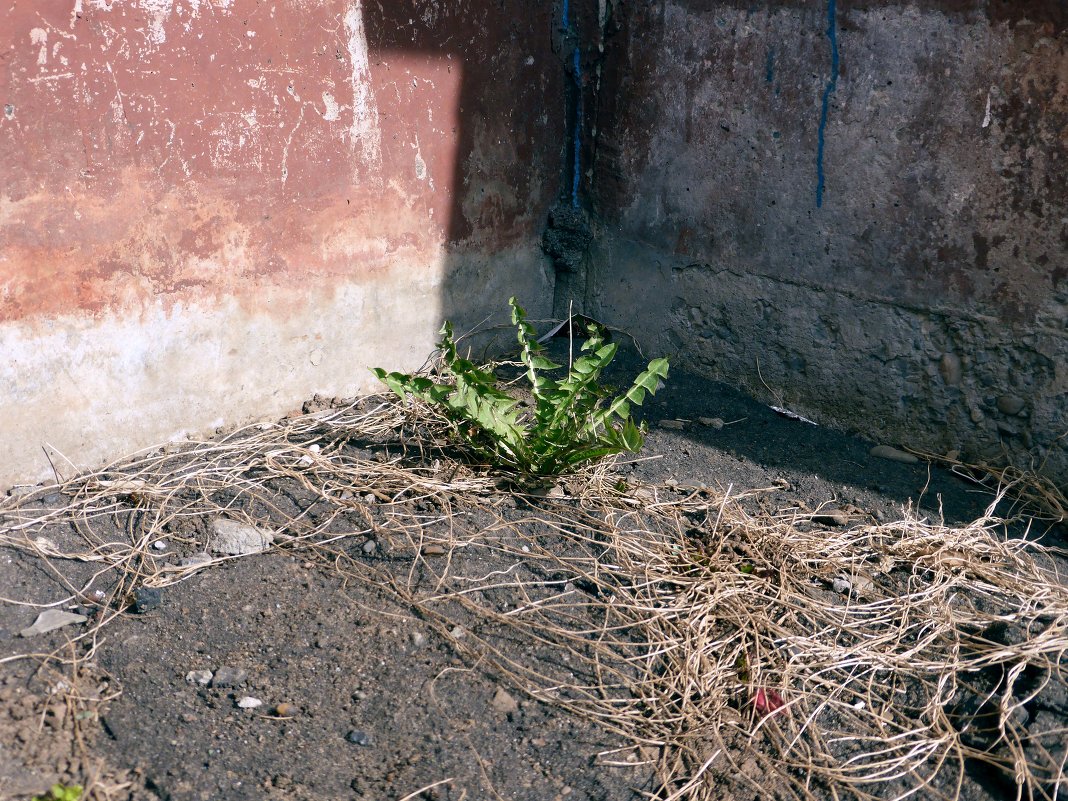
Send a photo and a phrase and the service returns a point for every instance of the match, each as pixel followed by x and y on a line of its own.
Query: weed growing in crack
pixel 568 422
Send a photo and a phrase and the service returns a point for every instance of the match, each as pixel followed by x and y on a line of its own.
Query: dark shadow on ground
pixel 759 446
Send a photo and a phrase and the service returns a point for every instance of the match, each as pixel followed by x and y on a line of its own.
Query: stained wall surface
pixel 211 209
pixel 857 209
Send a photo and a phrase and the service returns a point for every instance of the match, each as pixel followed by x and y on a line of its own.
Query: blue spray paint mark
pixel 577 171
pixel 832 84
pixel 769 66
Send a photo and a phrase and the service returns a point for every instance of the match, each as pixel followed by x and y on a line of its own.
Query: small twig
pixel 430 786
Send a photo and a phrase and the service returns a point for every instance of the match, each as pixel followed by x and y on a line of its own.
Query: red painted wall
pixel 168 150
pixel 210 209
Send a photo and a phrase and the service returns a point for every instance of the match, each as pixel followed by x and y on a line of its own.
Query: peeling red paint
pixel 183 151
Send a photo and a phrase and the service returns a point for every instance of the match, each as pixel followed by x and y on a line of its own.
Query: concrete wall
pixel 211 209
pixel 859 210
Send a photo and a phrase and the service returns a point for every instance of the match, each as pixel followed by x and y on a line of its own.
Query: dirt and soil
pixel 377 641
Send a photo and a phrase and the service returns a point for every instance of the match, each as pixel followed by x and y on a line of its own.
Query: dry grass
pixel 677 619
pixel 1036 494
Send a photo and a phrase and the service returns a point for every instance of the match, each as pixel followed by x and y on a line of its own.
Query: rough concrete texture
pixel 909 278
pixel 213 210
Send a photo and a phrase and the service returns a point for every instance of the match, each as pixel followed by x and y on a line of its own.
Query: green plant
pixel 61 792
pixel 569 422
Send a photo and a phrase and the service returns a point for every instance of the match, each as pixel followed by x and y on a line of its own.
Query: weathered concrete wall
pixel 213 209
pixel 895 262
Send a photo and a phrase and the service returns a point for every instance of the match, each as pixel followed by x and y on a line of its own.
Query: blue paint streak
pixel 576 171
pixel 832 84
pixel 769 66
pixel 576 174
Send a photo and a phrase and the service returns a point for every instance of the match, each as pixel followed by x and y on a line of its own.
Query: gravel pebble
pixel 893 454
pixel 357 737
pixel 1010 404
pixel 248 702
pixel 832 517
pixel 841 585
pixel 503 702
pixel 50 620
pixel 229 677
pixel 201 677
pixel 146 599
pixel 235 538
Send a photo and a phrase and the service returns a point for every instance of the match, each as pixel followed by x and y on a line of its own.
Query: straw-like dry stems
pixel 731 649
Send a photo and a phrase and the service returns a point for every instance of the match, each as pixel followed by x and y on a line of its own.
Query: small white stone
pixel 503 702
pixel 235 538
pixel 711 422
pixel 160 545
pixel 248 702
pixel 50 620
pixel 893 454
pixel 201 677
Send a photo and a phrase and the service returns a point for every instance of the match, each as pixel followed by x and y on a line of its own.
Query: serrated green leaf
pixel 632 436
pixel 542 363
pixel 574 419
